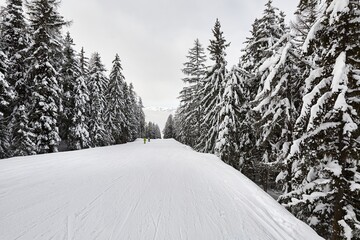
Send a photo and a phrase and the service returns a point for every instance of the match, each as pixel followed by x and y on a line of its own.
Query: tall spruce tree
pixel 75 99
pixel 6 96
pixel 132 113
pixel 190 97
pixel 69 72
pixel 227 145
pixel 300 66
pixel 79 137
pixel 325 157
pixel 141 118
pixel 153 131
pixel 169 130
pixel 46 24
pixel 115 117
pixel 264 54
pixel 15 40
pixel 265 32
pixel 97 85
pixel 212 90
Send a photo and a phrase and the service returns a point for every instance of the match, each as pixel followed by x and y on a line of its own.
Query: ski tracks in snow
pixel 160 190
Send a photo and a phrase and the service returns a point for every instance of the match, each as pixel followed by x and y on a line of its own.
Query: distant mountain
pixel 158 115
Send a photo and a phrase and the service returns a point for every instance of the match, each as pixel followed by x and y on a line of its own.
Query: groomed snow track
pixel 161 190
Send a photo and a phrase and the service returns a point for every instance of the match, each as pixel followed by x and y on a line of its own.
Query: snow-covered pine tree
pixel 190 97
pixel 212 91
pixel 325 158
pixel 133 118
pixel 131 127
pixel 15 40
pixel 264 54
pixel 84 63
pixel 278 107
pixel 157 132
pixel 169 130
pixel 300 66
pixel 69 72
pixel 6 96
pixel 75 99
pixel 150 132
pixel 97 85
pixel 227 145
pixel 115 118
pixel 141 119
pixel 46 24
pixel 177 125
pixel 79 137
pixel 265 32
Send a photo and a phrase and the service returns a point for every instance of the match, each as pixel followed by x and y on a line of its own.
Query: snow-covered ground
pixel 161 190
pixel 158 115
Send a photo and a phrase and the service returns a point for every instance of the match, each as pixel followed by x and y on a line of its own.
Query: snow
pixel 273 65
pixel 281 176
pixel 311 176
pixel 311 35
pixel 295 147
pixel 354 186
pixel 308 99
pixel 334 167
pixel 340 72
pixel 161 190
pixel 337 6
pixel 347 229
pixel 313 75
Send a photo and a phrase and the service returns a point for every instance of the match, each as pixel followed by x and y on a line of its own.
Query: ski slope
pixel 161 190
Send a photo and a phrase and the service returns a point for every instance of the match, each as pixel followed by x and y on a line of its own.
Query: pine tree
pixel 15 40
pixel 190 97
pixel 79 137
pixel 325 157
pixel 6 96
pixel 157 132
pixel 300 67
pixel 227 143
pixel 46 24
pixel 265 33
pixel 212 90
pixel 141 119
pixel 97 85
pixel 169 131
pixel 264 57
pixel 84 64
pixel 150 133
pixel 115 118
pixel 75 98
pixel 131 111
pixel 68 74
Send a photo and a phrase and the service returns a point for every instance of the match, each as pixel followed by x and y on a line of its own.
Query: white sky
pixel 152 37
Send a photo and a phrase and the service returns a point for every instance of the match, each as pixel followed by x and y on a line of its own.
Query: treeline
pixel 152 131
pixel 287 115
pixel 169 130
pixel 52 97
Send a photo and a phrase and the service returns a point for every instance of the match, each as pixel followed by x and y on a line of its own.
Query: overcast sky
pixel 152 37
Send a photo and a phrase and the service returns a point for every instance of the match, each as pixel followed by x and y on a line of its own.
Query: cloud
pixel 153 37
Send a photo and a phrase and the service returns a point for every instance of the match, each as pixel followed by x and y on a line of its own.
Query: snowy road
pixel 162 190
